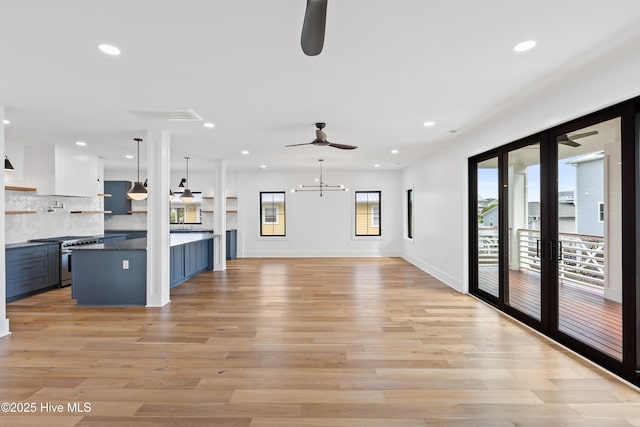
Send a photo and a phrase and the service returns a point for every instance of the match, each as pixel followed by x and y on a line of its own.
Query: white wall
pixel 46 222
pixel 440 245
pixel 318 226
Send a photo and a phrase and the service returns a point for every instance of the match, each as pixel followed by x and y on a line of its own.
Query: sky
pixel 488 181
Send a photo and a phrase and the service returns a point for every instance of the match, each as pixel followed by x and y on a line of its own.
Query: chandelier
pixel 321 186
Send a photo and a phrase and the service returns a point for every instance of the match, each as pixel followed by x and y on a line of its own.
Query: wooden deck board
pixel 584 313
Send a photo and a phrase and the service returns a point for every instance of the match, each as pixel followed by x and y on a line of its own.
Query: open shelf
pixel 14 188
pixel 206 211
pixel 104 195
pixel 136 212
pixel 19 212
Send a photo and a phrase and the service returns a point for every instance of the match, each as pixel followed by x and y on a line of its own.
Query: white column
pixel 220 214
pixel 158 238
pixel 4 322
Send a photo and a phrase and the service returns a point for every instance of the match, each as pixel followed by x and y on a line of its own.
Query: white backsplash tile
pixel 48 221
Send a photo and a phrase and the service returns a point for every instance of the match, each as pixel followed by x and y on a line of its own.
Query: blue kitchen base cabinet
pixel 102 280
pixel 189 260
pixel 232 242
pixel 115 274
pixel 30 269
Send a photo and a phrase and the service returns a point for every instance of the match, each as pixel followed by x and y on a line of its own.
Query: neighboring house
pixel 490 217
pixel 590 194
pixel 566 214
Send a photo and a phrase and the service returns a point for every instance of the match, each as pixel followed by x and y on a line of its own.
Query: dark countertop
pixel 26 244
pixel 141 244
pixel 107 235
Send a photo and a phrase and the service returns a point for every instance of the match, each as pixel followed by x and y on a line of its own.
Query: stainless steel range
pixel 67 243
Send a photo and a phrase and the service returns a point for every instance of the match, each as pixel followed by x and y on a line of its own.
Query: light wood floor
pixel 300 342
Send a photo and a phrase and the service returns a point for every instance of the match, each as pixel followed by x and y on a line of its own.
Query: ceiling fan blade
pixel 315 19
pixel 564 140
pixel 582 135
pixel 342 146
pixel 295 145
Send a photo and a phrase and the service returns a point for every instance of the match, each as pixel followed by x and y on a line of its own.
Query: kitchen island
pixel 115 273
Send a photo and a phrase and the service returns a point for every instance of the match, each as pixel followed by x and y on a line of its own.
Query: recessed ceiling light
pixel 263 166
pixel 376 165
pixel 81 143
pixel 109 49
pixel 209 125
pixel 394 151
pixel 524 46
pixel 6 122
pixel 429 124
pixel 245 152
pixel 129 156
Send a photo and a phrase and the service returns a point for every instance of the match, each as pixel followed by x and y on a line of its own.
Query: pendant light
pixel 138 192
pixel 186 194
pixel 7 164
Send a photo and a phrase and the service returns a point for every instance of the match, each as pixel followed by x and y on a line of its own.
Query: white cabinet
pixel 60 171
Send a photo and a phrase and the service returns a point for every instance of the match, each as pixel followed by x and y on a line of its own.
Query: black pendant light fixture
pixel 138 192
pixel 7 164
pixel 321 186
pixel 187 197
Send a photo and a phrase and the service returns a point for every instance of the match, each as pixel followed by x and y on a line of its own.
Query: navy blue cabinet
pixel 190 259
pixel 31 269
pixel 232 242
pixel 118 203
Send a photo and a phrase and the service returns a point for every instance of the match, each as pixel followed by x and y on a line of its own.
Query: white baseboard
pixel 4 327
pixel 320 254
pixel 445 278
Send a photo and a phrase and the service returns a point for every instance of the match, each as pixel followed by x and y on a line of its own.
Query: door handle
pixel 560 250
pixel 537 248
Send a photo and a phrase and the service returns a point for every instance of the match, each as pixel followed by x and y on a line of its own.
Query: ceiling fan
pixel 321 140
pixel 569 140
pixel 315 19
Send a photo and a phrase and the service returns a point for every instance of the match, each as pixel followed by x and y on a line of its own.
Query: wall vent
pixel 174 115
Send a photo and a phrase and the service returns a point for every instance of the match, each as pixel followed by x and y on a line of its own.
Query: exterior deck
pixel 584 312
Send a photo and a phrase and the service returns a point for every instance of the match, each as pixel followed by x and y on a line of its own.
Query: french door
pixel 553 234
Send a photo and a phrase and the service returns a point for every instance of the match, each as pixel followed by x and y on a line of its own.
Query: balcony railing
pixel 581 256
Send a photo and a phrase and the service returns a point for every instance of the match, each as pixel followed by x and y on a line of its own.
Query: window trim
pixel 600 212
pixel 410 213
pixel 276 220
pixel 284 213
pixel 369 214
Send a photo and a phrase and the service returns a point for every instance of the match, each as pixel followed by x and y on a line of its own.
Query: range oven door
pixel 65 267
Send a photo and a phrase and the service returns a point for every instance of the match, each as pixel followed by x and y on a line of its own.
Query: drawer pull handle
pixel 27 268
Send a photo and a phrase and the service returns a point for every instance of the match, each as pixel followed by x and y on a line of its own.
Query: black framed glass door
pixel 588 231
pixel 557 247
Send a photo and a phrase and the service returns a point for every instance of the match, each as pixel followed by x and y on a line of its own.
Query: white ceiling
pixel 386 68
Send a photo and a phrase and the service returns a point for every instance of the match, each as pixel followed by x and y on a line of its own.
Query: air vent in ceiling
pixel 175 115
